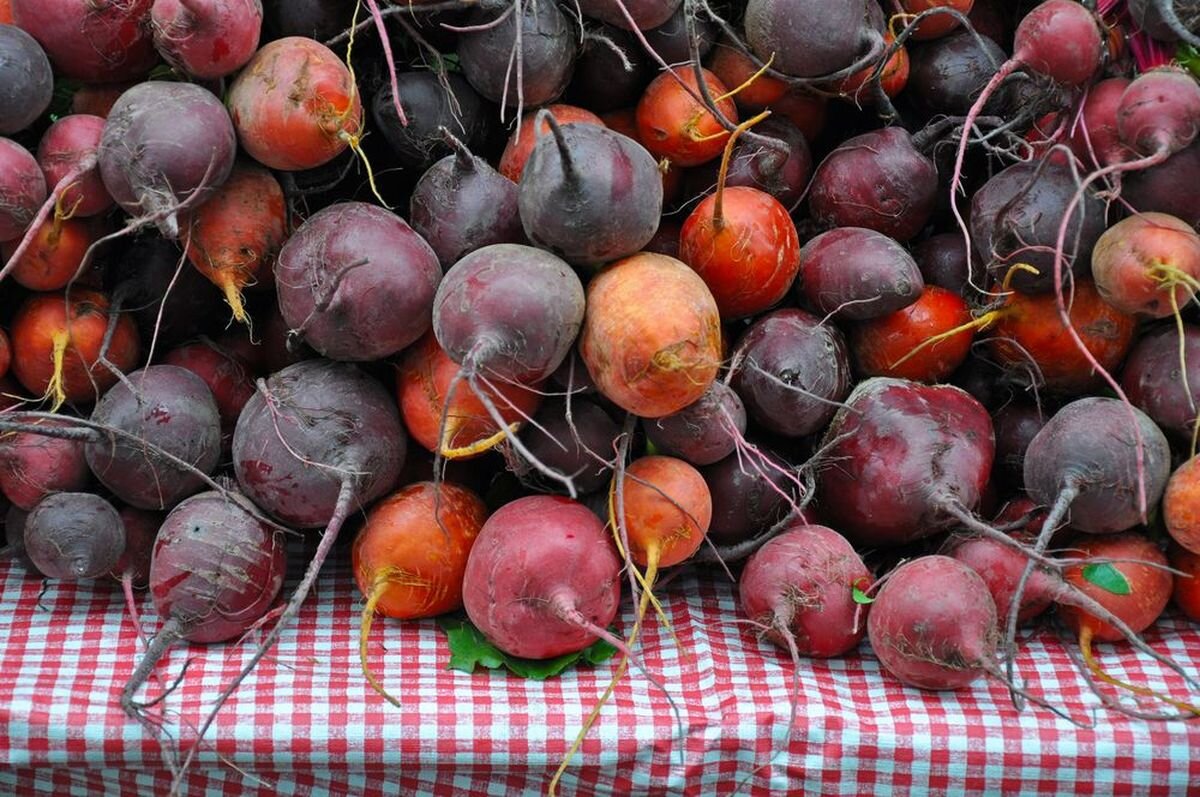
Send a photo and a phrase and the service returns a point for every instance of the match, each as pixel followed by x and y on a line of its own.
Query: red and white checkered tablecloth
pixel 307 723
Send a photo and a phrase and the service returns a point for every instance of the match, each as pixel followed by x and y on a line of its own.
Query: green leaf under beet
pixel 470 649
pixel 1107 578
pixel 859 596
pixel 1189 58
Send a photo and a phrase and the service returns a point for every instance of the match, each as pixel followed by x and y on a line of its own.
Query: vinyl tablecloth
pixel 307 723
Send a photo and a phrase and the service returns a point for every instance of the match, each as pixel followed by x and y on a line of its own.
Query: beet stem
pixel 1166 10
pixel 568 165
pixel 168 635
pixel 373 7
pixel 368 615
pixel 1085 645
pixel 340 512
pixel 464 159
pixel 1056 515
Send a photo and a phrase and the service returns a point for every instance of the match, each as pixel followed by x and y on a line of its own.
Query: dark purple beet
pixel 666 239
pixel 73 536
pixel 172 409
pixel 356 283
pixel 316 19
pixel 326 422
pixel 428 107
pixel 1154 383
pixel 942 259
pixel 163 142
pixel 947 74
pixel 783 175
pixel 1015 218
pixel 601 81
pixel 1015 425
pixel 790 370
pixel 984 380
pixel 670 39
pixel 547 54
pixel 462 204
pixel 1171 187
pixel 858 274
pixel 877 180
pixel 747 496
pixel 1089 446
pixel 140 276
pixel 644 13
pixel 590 194
pixel 809 38
pixel 509 311
pixel 26 81
pixel 589 434
pixel 705 431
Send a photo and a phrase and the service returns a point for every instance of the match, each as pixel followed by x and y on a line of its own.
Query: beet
pixel 942 259
pixel 1015 218
pixel 704 432
pixel 1085 461
pixel 877 180
pixel 857 274
pixel 356 283
pixel 1171 187
pixel 589 194
pixel 749 494
pixel 98 41
pixel 428 107
pixel 810 38
pixel 69 146
pixel 542 579
pixel 22 189
pixel 73 536
pixel 578 447
pixel 165 144
pixel 645 14
pixel 782 174
pixel 947 74
pixel 33 466
pixel 910 457
pixel 26 82
pixel 605 80
pixel 509 311
pixel 791 371
pixel 544 61
pixel 461 204
pixel 172 409
pixel 1153 381
pixel 206 40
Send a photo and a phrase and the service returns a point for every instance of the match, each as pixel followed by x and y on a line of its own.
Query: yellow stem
pixel 233 296
pixel 1012 272
pixel 718 204
pixel 379 587
pixel 983 322
pixel 747 82
pixel 486 444
pixel 1085 644
pixel 55 387
pixel 622 666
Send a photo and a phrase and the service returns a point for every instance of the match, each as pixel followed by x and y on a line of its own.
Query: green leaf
pixel 651 449
pixel 1107 578
pixel 1189 58
pixel 470 649
pixel 859 595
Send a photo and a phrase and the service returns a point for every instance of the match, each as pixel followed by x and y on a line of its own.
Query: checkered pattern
pixel 307 723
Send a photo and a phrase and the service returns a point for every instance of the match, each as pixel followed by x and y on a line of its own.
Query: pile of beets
pixel 885 307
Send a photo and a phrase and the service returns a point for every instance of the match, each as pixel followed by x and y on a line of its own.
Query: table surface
pixel 306 722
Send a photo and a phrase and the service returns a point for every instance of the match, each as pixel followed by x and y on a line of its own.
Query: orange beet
pixel 236 234
pixel 1181 505
pixel 671 124
pixel 56 345
pixel 295 105
pixel 743 243
pixel 893 79
pixel 1187 587
pixel 424 378
pixel 1028 326
pixel 651 336
pixel 54 255
pixel 881 345
pixel 733 67
pixel 937 25
pixel 667 510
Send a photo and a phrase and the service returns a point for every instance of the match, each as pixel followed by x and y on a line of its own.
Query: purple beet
pixel 356 283
pixel 748 496
pixel 877 180
pixel 791 370
pixel 705 431
pixel 1155 383
pixel 857 274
